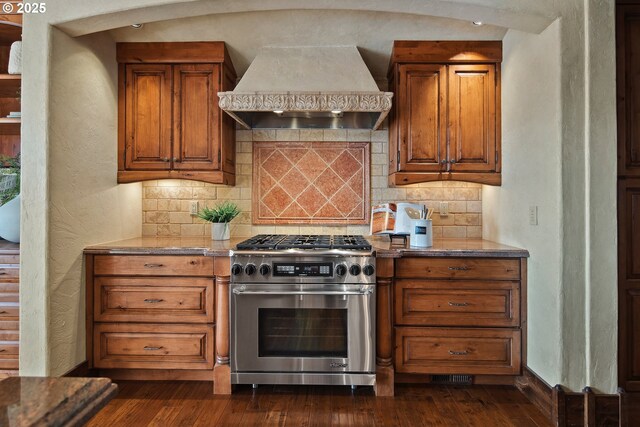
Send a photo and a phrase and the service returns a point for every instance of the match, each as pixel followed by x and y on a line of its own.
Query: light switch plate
pixel 444 208
pixel 193 208
pixel 533 215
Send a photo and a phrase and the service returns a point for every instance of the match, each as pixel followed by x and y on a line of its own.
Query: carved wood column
pixel 222 370
pixel 384 328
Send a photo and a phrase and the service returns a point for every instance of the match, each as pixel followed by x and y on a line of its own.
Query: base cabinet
pixel 459 316
pixel 151 316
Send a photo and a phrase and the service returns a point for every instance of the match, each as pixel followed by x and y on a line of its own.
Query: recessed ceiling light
pixel 137 26
pixel 278 111
pixel 336 111
pixel 478 23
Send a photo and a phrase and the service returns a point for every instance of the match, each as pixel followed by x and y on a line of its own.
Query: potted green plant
pixel 10 198
pixel 219 217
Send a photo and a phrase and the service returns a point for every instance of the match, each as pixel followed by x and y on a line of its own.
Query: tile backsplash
pixel 166 203
pixel 311 182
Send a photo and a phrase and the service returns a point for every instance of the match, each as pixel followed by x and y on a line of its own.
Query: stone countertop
pixel 166 246
pixel 447 248
pixel 381 244
pixel 45 401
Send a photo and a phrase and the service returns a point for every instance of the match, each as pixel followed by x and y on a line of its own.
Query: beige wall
pixel 166 203
pixel 531 172
pixel 85 205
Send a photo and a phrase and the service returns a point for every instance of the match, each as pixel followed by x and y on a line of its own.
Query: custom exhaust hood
pixel 311 87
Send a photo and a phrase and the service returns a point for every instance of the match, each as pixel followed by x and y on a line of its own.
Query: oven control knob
pixel 236 269
pixel 341 270
pixel 265 269
pixel 249 269
pixel 354 269
pixel 368 270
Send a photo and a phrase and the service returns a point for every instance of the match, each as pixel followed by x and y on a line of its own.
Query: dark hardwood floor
pixel 193 404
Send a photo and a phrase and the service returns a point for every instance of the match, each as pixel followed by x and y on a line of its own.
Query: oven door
pixel 303 328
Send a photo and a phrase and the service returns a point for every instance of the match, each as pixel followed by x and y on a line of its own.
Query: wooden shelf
pixel 10 85
pixel 9 126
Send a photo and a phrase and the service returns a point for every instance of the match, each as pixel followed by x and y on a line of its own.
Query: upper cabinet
pixel 170 125
pixel 445 122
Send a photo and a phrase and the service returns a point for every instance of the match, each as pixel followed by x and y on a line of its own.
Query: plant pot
pixel 10 220
pixel 220 231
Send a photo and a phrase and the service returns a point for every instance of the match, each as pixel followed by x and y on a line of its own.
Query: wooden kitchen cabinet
pixel 445 123
pixel 151 316
pixel 460 316
pixel 170 125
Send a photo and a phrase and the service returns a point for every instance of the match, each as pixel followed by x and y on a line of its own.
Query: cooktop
pixel 309 241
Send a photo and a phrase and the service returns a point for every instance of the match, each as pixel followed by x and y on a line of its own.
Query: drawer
pixel 457 303
pixel 459 268
pixel 9 311
pixel 10 259
pixel 458 351
pixel 9 271
pixel 153 346
pixel 152 265
pixel 154 299
pixel 9 349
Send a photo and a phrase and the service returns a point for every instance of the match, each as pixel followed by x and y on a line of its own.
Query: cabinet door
pixel 472 117
pixel 629 283
pixel 196 124
pixel 628 62
pixel 422 117
pixel 148 117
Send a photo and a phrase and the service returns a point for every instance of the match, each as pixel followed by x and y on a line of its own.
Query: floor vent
pixel 452 379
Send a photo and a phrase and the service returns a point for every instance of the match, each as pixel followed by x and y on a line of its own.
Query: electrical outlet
pixel 193 208
pixel 444 208
pixel 533 215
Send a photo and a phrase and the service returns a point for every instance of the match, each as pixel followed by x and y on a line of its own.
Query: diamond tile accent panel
pixel 311 183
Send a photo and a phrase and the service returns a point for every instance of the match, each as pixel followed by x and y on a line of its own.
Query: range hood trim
pixel 364 102
pixel 307 80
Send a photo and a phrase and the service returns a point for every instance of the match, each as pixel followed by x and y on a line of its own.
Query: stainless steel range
pixel 303 310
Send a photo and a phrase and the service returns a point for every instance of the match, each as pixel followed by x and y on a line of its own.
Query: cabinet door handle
pixel 458 353
pixel 444 161
pixel 153 265
pixel 164 159
pixel 2 350
pixel 452 161
pixel 458 304
pixel 149 348
pixel 176 160
pixel 4 312
pixel 463 268
pixel 153 300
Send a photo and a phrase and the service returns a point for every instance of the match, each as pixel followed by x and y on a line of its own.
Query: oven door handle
pixel 325 293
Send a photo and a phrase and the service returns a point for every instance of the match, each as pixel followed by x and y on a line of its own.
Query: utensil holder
pixel 421 233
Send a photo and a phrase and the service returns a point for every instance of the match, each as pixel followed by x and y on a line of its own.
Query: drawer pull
pixel 153 300
pixel 148 348
pixel 458 353
pixel 458 304
pixel 4 312
pixel 2 350
pixel 2 273
pixel 463 268
pixel 153 265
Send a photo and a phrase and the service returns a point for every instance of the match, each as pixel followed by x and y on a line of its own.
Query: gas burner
pixel 261 242
pixel 305 242
pixel 264 242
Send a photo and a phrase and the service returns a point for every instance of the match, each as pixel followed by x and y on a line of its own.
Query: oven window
pixel 302 332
